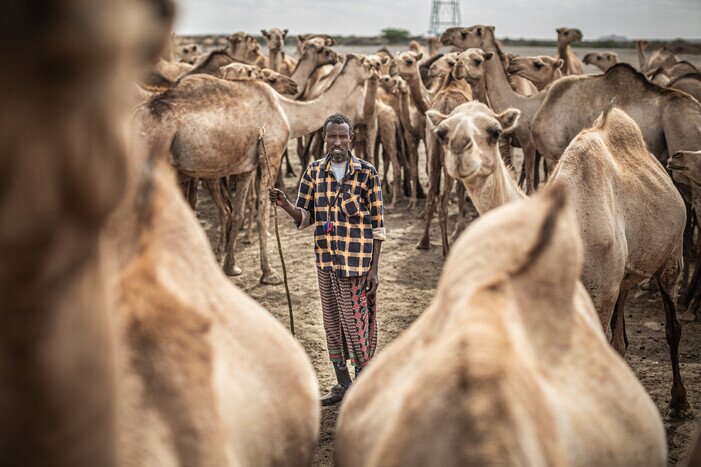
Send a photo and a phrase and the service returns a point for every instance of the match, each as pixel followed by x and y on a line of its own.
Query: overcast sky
pixel 512 18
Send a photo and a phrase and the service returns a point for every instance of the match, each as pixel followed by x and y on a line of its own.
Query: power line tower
pixel 444 14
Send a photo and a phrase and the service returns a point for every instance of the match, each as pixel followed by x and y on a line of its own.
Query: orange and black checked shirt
pixel 354 208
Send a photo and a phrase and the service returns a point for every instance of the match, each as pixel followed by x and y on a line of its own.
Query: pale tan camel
pixel 502 96
pixel 244 72
pixel 455 91
pixel 509 365
pixel 276 41
pixel 122 342
pixel 434 45
pixel 566 36
pixel 660 58
pixel 602 60
pixel 187 53
pixel 438 72
pixel 172 70
pixel 245 48
pixel 541 70
pixel 211 126
pixel 685 167
pixel 669 120
pixel 611 178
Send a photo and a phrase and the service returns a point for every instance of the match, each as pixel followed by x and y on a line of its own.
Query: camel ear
pixel 384 60
pixel 479 31
pixel 558 64
pixel 488 55
pixel 418 55
pixel 507 119
pixel 435 117
pixel 264 32
pixel 330 42
pixel 284 32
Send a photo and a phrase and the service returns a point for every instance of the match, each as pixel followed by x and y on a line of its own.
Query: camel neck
pixel 305 117
pixel 418 92
pixel 274 59
pixel 370 99
pixel 305 67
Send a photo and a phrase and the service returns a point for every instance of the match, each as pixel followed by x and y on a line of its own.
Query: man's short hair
pixel 338 119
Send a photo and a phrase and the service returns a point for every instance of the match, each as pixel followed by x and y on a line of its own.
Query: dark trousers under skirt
pixel 350 318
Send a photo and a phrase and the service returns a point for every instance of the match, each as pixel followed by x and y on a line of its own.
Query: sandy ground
pixel 408 279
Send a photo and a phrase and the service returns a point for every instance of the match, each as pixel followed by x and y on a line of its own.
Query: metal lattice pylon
pixel 444 14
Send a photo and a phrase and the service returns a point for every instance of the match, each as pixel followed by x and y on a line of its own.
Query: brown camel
pixel 541 70
pixel 669 120
pixel 276 41
pixel 508 364
pixel 611 178
pixel 211 126
pixel 685 167
pixel 122 342
pixel 602 60
pixel 573 65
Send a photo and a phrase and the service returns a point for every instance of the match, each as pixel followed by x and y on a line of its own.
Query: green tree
pixel 396 34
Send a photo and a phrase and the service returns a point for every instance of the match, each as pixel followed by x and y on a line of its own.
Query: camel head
pixel 359 65
pixel 379 62
pixel 240 72
pixel 568 35
pixel 322 40
pixel 538 69
pixel 470 139
pixel 686 167
pixel 415 47
pixel 466 38
pixel 390 84
pixel 244 46
pixel 443 66
pixel 601 60
pixel 470 65
pixel 322 54
pixel 275 37
pixel 188 53
pixel 405 64
pixel 281 83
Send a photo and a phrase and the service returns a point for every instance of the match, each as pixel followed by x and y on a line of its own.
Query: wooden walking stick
pixel 261 135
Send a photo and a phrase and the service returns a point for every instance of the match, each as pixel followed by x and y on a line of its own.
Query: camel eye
pixel 464 35
pixel 478 61
pixel 538 65
pixel 495 134
pixel 441 132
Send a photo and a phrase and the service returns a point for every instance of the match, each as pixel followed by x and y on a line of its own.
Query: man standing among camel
pixel 341 196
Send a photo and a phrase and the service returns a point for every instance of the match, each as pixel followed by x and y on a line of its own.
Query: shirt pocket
pixel 350 205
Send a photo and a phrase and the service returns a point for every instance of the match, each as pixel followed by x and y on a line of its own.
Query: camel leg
pixel 223 205
pixel 242 182
pixel 269 276
pixel 389 144
pixel 251 203
pixel 536 172
pixel 443 211
pixel 289 171
pixel 434 179
pixel 188 185
pixel 619 338
pixel 528 162
pixel 667 282
pixel 688 251
pixel 413 162
pixel 464 216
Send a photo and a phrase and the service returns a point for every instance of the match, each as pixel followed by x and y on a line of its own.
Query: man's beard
pixel 342 156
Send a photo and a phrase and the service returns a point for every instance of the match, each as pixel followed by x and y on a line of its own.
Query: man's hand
pixel 277 196
pixel 372 283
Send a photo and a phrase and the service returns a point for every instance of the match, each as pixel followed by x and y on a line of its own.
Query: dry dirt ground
pixel 408 279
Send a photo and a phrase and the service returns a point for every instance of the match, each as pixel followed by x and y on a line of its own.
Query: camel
pixel 502 96
pixel 245 48
pixel 243 72
pixel 607 166
pixel 664 76
pixel 172 70
pixel 690 84
pixel 541 70
pixel 434 45
pixel 602 60
pixel 509 365
pixel 135 348
pixel 211 131
pixel 669 120
pixel 685 167
pixel 276 41
pixel 659 59
pixel 573 65
pixel 456 90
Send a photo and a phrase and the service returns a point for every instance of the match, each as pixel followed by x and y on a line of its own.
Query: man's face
pixel 338 139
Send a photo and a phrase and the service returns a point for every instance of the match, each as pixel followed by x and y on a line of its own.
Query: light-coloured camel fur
pixel 244 72
pixel 690 84
pixel 509 365
pixel 172 70
pixel 187 53
pixel 245 48
pixel 659 59
pixel 122 342
pixel 211 126
pixel 565 37
pixel 602 60
pixel 541 70
pixel 669 120
pixel 611 179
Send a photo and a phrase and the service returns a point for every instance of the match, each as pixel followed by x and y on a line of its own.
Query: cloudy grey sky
pixel 512 18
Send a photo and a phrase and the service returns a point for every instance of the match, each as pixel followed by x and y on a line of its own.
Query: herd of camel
pixel 125 343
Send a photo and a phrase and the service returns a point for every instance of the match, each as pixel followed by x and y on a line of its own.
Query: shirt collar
pixel 354 163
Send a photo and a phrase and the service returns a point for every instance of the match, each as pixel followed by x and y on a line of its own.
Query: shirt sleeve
pixel 376 207
pixel 305 198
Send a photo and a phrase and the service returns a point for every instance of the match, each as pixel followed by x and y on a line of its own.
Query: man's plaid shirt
pixel 356 215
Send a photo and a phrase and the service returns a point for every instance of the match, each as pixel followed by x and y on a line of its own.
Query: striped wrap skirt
pixel 350 318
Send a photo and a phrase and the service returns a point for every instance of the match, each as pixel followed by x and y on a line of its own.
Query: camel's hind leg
pixel 434 180
pixel 242 181
pixel 668 282
pixel 443 211
pixel 274 155
pixel 619 337
pixel 251 204
pixel 223 204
